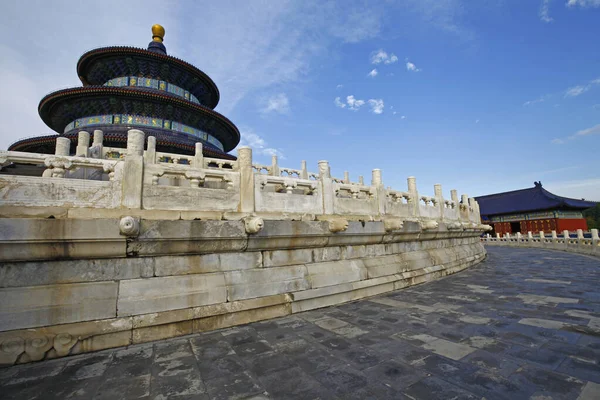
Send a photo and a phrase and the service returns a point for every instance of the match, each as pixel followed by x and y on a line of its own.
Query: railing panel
pixel 286 194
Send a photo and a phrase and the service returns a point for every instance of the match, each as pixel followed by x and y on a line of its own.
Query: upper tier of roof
pixel 528 200
pixel 98 66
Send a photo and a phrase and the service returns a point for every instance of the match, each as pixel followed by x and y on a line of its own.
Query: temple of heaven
pixel 127 87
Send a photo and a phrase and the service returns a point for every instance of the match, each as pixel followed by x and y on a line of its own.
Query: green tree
pixel 592 216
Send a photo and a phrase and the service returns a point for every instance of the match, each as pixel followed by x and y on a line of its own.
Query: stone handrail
pixel 580 244
pixel 151 180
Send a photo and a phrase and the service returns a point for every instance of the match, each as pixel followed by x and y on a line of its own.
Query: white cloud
pixel 395 112
pixel 588 189
pixel 411 67
pixel 378 57
pixel 403 117
pixel 540 99
pixel 339 86
pixel 594 130
pixel 568 93
pixel 354 104
pixel 583 3
pixel 576 90
pixel 580 89
pixel 376 106
pixel 381 56
pixel 545 11
pixel 278 103
pixel 258 144
pixel 476 121
pixel 373 73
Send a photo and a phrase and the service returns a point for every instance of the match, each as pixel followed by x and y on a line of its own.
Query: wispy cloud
pixel 571 92
pixel 540 99
pixel 258 144
pixel 583 3
pixel 411 67
pixel 338 102
pixel 381 56
pixel 594 130
pixel 354 104
pixel 376 106
pixel 580 89
pixel 339 86
pixel 373 73
pixel 545 11
pixel 576 90
pixel 278 103
pixel 588 189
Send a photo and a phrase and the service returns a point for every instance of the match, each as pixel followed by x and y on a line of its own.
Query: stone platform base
pixel 160 286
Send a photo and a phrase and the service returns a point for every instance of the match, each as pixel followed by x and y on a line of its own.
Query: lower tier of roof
pixel 167 142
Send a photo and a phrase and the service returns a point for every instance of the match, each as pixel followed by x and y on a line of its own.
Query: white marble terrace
pixel 103 178
pixel 580 244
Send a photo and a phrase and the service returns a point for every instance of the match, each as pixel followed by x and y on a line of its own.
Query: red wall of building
pixel 572 224
pixel 537 225
pixel 544 225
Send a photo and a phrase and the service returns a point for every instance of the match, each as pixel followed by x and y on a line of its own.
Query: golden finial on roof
pixel 158 33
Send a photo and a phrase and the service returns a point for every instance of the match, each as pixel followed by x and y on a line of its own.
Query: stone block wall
pixel 179 277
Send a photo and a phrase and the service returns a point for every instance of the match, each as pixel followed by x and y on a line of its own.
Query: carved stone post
pixel 327 186
pixel 361 180
pixel 198 161
pixel 414 195
pixel 346 177
pixel 98 138
pixel 454 197
pixel 376 177
pixel 63 146
pixel 542 237
pixel 246 179
pixel 497 236
pixel 566 237
pixel 439 198
pixel 529 236
pixel 303 170
pixel 595 239
pixel 133 173
pixel 150 155
pixel 519 237
pixel 579 234
pixel 97 144
pixel 274 166
pixel 83 144
pixel 554 237
pixel 463 209
pixel 377 182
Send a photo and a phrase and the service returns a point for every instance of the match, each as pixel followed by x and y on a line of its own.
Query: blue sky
pixel 482 96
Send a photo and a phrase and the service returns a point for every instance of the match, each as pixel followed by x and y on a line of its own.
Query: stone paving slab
pixel 524 324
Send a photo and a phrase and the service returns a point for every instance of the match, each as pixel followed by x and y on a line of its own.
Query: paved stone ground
pixel 525 324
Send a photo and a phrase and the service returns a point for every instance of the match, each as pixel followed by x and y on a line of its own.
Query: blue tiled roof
pixel 526 200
